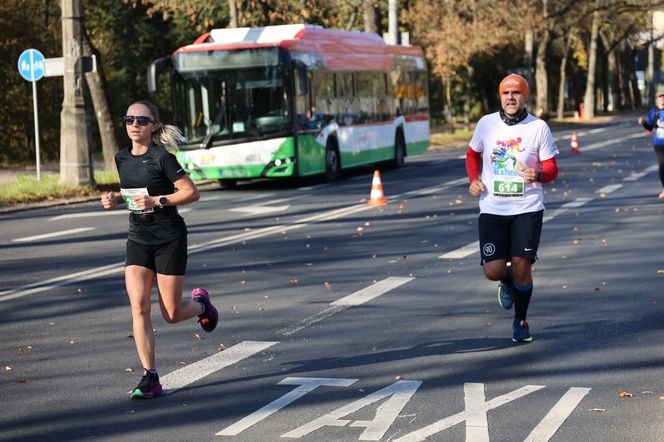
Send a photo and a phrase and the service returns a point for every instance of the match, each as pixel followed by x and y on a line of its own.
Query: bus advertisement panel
pixel 295 100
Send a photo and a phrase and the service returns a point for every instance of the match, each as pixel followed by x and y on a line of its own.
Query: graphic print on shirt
pixel 507 169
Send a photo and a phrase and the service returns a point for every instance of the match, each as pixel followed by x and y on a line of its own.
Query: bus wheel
pixel 227 183
pixel 331 162
pixel 399 151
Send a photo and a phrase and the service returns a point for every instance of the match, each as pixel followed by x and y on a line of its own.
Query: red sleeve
pixel 549 170
pixel 473 162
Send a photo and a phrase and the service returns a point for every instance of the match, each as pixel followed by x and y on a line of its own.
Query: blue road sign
pixel 31 65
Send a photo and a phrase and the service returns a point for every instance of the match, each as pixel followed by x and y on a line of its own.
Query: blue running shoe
pixel 210 316
pixel 521 331
pixel 505 298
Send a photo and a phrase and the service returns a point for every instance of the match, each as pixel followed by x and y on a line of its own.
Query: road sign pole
pixel 34 107
pixel 31 68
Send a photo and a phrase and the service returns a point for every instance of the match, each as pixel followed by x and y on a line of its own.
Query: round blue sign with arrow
pixel 31 65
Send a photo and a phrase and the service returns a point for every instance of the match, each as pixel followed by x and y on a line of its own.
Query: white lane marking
pixel 607 143
pixel 458 182
pixel 53 234
pixel 474 247
pixel 92 214
pixel 305 385
pixel 252 198
pixel 61 281
pixel 399 393
pixel 548 426
pixel 373 291
pixel 450 421
pixel 313 319
pixel 191 373
pixel 477 425
pixel 206 198
pixel 608 189
pixel 638 175
pixel 354 299
pixel 462 252
pixel 578 202
pixel 259 210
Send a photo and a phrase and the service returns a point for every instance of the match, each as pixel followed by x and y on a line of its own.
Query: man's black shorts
pixel 502 237
pixel 166 259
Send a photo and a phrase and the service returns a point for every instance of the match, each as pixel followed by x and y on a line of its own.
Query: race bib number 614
pixel 508 186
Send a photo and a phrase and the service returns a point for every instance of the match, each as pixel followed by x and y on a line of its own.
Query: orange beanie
pixel 514 81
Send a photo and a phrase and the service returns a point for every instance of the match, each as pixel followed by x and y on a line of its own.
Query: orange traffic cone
pixel 574 144
pixel 377 197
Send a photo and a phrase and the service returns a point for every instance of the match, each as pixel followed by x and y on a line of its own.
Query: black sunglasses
pixel 141 120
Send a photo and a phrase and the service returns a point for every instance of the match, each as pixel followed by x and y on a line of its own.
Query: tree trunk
pixel 232 20
pixel 589 97
pixel 560 109
pixel 541 78
pixel 612 72
pixel 528 61
pixel 97 85
pixel 542 88
pixel 650 70
pixel 448 102
pixel 370 24
pixel 466 103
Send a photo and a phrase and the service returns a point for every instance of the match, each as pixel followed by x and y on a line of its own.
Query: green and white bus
pixel 294 100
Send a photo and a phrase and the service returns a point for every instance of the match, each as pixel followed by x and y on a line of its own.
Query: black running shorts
pixel 166 259
pixel 502 237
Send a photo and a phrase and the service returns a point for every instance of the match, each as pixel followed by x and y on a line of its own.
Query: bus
pixel 294 101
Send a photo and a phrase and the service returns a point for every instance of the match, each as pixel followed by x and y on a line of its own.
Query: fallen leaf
pixel 197 336
pixel 71 342
pixel 8 368
pixel 623 393
pixel 21 381
pixel 222 347
pixel 182 363
pixel 660 271
pixel 243 282
pixel 294 281
pixel 328 285
pixel 397 377
pixel 599 409
pixel 129 370
pixel 597 289
pixel 646 392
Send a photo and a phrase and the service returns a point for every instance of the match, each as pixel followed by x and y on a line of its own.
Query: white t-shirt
pixel 506 152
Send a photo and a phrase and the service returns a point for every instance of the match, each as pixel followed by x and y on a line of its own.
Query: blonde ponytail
pixel 168 136
pixel 165 135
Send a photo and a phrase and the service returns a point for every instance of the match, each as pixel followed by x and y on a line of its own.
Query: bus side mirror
pixel 301 80
pixel 157 67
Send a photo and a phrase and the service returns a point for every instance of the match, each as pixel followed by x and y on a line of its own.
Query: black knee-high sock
pixel 522 296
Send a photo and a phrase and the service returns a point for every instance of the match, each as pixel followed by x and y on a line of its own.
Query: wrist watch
pixel 538 177
pixel 162 202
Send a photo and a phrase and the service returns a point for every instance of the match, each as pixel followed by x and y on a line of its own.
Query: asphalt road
pixel 346 322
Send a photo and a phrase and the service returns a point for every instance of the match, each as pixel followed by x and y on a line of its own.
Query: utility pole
pixel 392 19
pixel 75 163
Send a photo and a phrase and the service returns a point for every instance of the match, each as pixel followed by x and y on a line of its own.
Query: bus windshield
pixel 214 105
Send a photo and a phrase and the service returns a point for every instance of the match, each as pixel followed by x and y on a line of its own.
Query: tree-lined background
pixel 572 51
